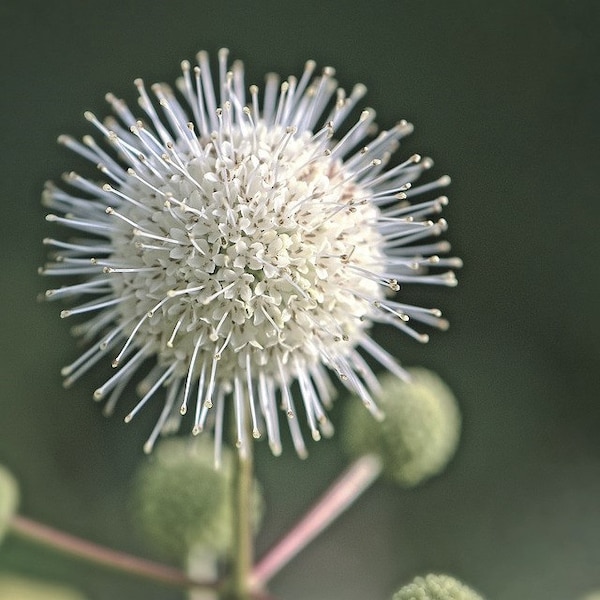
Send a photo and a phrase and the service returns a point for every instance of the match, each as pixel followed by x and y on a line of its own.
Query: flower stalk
pixel 340 496
pixel 242 554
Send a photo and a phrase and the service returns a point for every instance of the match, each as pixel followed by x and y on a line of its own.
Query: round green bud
pixel 419 432
pixel 436 587
pixel 9 499
pixel 181 500
pixel 25 589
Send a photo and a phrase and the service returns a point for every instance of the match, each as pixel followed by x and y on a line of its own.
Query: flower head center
pixel 246 247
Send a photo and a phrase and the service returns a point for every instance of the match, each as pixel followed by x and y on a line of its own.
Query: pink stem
pixel 344 491
pixel 74 546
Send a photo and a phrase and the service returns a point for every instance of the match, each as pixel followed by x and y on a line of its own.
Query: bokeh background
pixel 505 96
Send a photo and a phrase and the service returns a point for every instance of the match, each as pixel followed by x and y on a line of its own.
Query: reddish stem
pixel 344 491
pixel 119 561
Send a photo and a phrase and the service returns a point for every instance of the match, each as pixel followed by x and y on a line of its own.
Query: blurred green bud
pixel 9 499
pixel 420 431
pixel 592 596
pixel 181 500
pixel 18 588
pixel 436 587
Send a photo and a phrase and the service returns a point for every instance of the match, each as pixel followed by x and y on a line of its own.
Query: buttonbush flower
pixel 181 501
pixel 244 240
pixel 436 587
pixel 420 432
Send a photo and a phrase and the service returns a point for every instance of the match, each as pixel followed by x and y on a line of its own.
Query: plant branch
pixel 100 555
pixel 342 493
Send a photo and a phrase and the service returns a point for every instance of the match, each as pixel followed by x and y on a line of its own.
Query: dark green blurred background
pixel 505 96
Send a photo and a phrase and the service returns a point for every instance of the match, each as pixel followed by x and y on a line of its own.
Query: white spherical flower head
pixel 244 243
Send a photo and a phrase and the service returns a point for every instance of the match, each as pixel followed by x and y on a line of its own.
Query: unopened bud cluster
pixel 419 432
pixel 436 587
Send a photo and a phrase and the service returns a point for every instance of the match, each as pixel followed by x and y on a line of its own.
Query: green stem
pixel 242 554
pixel 201 564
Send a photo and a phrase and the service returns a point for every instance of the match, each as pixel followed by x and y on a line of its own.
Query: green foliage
pixel 9 499
pixel 18 588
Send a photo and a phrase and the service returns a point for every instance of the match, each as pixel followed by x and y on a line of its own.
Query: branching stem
pixel 100 555
pixel 344 491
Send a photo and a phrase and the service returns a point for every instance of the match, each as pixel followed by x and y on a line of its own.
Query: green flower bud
pixel 420 431
pixel 12 587
pixel 181 500
pixel 436 587
pixel 592 596
pixel 9 499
